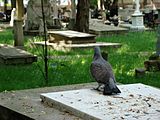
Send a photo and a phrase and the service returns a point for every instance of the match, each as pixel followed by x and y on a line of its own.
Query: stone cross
pixel 137 11
pixel 137 18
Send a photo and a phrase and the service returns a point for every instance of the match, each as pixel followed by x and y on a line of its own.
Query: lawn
pixel 73 67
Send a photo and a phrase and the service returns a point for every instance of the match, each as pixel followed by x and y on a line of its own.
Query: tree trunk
pixel 102 4
pixel 144 3
pixel 13 3
pixel 122 2
pixel 107 4
pixel 73 9
pixel 19 9
pixel 114 8
pixel 82 17
pixel 5 6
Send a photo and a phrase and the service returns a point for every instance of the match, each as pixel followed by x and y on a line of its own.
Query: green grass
pixel 73 67
pixel 137 47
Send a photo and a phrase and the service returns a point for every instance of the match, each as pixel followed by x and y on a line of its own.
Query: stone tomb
pixel 98 28
pixel 70 37
pixel 13 55
pixel 67 40
pixel 137 101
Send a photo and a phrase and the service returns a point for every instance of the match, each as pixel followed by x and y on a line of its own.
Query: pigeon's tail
pixel 116 90
pixel 109 91
pixel 111 88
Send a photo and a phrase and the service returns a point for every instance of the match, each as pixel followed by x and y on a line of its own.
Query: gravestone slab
pixel 137 22
pixel 98 28
pixel 70 36
pixel 13 55
pixel 61 46
pixel 137 101
pixel 137 18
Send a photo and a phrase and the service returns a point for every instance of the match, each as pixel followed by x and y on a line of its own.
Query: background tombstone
pixel 34 15
pixel 137 18
pixel 54 9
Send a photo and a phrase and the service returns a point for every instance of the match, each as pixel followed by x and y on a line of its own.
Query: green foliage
pixel 6 37
pixel 93 3
pixel 73 67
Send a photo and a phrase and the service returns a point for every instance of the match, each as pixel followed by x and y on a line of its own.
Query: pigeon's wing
pixel 110 71
pixel 99 72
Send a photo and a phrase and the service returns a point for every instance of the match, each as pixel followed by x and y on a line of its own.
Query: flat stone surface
pixel 137 101
pixel 125 25
pixel 64 47
pixel 13 55
pixel 101 29
pixel 71 34
pixel 10 51
pixel 28 103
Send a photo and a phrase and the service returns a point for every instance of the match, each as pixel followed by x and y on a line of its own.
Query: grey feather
pixel 102 72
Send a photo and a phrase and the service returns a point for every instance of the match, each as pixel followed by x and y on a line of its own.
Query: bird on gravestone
pixel 102 72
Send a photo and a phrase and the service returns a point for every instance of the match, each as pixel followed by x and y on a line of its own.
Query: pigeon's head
pixel 97 49
pixel 97 52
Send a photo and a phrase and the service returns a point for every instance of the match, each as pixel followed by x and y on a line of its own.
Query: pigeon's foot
pixel 97 89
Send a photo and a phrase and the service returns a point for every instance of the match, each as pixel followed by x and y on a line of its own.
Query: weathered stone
pixel 137 18
pixel 34 14
pixel 152 65
pixel 71 37
pixel 61 46
pixel 137 101
pixel 154 57
pixel 140 72
pixel 27 103
pixel 8 114
pixel 12 55
pixel 97 27
pixel 18 33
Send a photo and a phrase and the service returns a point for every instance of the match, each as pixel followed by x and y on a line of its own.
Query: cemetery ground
pixel 73 67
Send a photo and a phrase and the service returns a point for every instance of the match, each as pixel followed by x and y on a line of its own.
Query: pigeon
pixel 102 72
